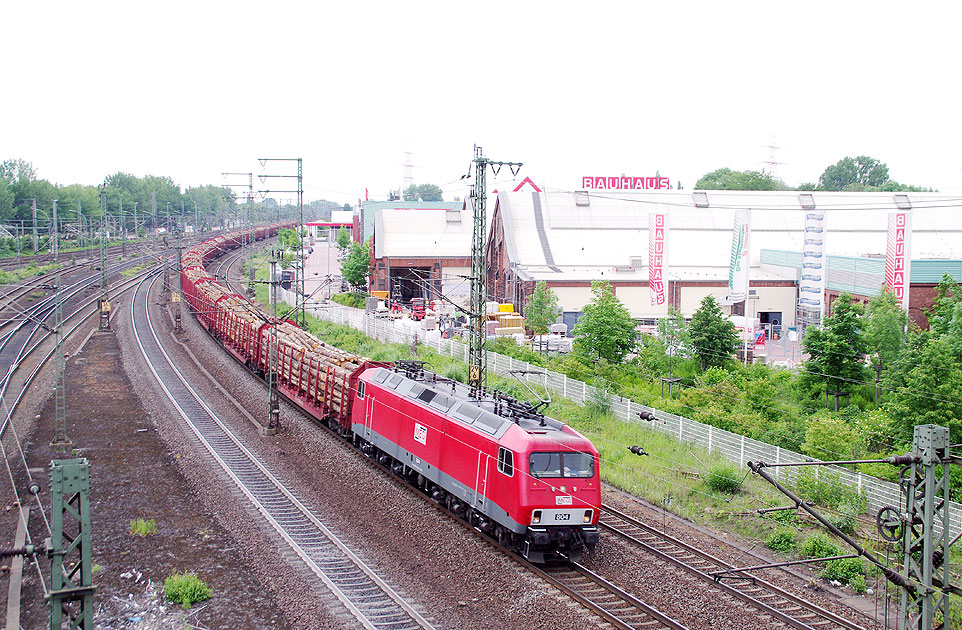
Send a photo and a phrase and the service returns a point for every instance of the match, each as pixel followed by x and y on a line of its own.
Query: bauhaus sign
pixel 897 257
pixel 657 257
pixel 625 183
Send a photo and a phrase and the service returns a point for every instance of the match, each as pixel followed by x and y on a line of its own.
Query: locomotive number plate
pixel 562 500
pixel 562 517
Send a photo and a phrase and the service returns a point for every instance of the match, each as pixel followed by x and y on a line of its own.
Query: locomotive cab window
pixel 360 389
pixel 506 461
pixel 561 465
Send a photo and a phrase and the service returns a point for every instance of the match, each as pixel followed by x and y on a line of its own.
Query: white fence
pixel 737 448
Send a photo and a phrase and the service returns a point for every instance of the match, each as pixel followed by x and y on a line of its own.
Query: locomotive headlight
pixel 588 514
pixel 536 517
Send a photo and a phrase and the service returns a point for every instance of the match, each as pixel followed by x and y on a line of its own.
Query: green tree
pixel 727 179
pixel 884 329
pixel 542 309
pixel 829 436
pixel 423 192
pixel 713 336
pixel 343 238
pixel 859 171
pixel 947 297
pixel 673 331
pixel 287 238
pixel 357 266
pixel 837 349
pixel 606 329
pixel 6 199
pixel 929 392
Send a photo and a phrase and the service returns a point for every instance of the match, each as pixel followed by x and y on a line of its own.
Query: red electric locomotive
pixel 530 481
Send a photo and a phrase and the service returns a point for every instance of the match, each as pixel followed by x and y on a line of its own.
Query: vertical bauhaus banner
pixel 657 257
pixel 811 284
pixel 738 267
pixel 898 258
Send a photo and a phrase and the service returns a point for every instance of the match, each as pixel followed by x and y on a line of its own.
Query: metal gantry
pixel 920 526
pixel 61 442
pixel 300 209
pixel 248 225
pixel 926 532
pixel 477 375
pixel 71 595
pixel 273 404
pixel 104 276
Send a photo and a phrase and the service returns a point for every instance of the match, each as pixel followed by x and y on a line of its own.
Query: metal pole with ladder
pixel 104 276
pixel 477 375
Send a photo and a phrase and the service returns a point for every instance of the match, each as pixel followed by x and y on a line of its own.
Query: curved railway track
pixel 782 608
pixel 363 593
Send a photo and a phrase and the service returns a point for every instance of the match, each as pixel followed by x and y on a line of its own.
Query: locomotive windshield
pixel 561 465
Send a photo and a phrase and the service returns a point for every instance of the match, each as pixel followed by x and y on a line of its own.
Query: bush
pixel 141 527
pixel 724 477
pixel 782 541
pixel 818 546
pixel 846 571
pixel 186 589
pixel 599 400
pixel 785 517
pixel 847 517
pixel 354 299
pixel 828 490
pixel 457 373
pixel 508 347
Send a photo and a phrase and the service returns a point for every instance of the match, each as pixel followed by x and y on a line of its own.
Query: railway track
pixel 113 251
pixel 782 608
pixel 615 605
pixel 363 593
pixel 29 334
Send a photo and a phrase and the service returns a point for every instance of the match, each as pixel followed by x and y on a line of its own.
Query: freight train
pixel 527 480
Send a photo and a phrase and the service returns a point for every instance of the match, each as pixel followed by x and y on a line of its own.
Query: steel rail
pixel 618 607
pixel 37 314
pixel 782 606
pixel 366 595
pixel 36 370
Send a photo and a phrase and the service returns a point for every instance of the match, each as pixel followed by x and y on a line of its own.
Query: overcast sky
pixel 192 89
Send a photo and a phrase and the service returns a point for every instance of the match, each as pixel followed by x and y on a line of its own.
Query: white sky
pixel 192 89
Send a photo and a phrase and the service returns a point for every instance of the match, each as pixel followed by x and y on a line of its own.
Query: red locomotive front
pixel 530 481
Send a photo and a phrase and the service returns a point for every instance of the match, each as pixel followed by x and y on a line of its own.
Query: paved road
pixel 321 264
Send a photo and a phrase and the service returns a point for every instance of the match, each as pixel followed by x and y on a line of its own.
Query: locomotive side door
pixel 481 482
pixel 368 416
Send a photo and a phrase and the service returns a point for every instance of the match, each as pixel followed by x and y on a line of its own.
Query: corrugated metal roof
pixel 609 228
pixel 862 275
pixel 423 232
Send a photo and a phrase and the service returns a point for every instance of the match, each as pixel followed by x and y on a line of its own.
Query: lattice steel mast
pixel 300 209
pixel 477 375
pixel 273 404
pixel 104 276
pixel 60 442
pixel 248 227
